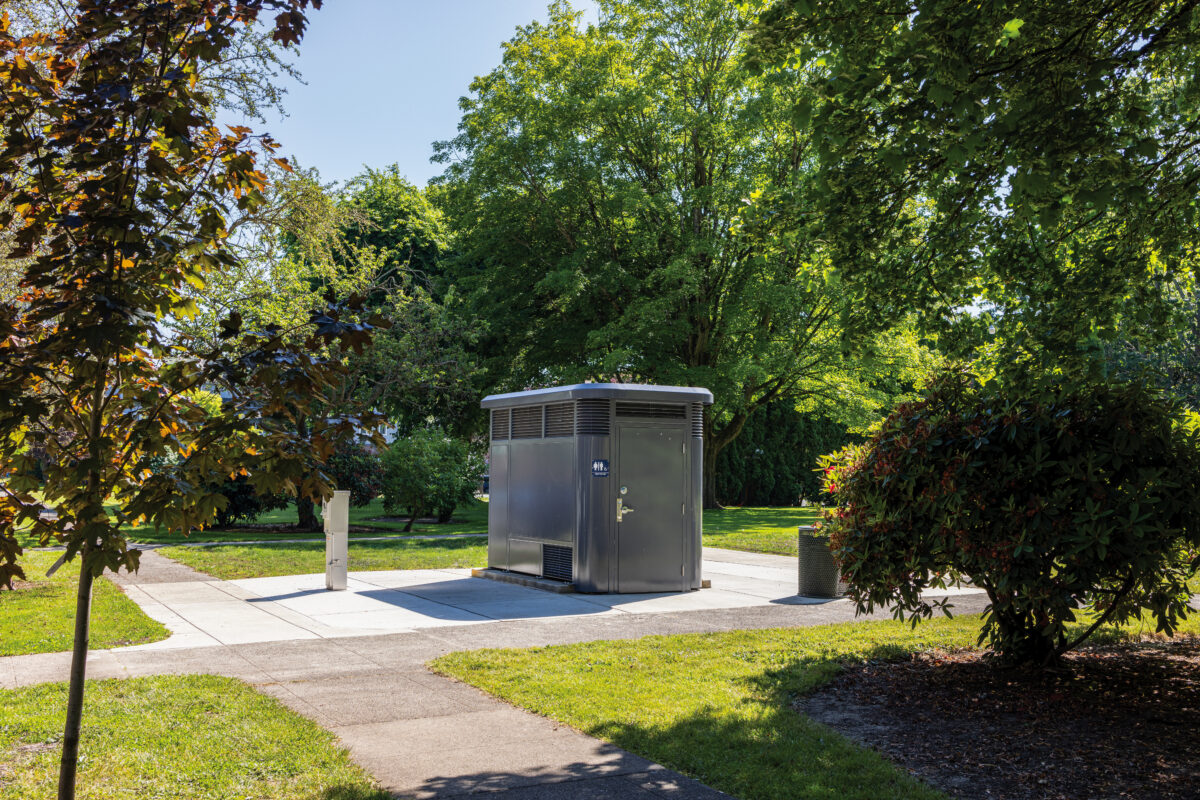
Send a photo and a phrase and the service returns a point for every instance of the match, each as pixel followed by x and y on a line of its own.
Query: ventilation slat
pixel 698 420
pixel 499 424
pixel 527 422
pixel 557 563
pixel 651 410
pixel 591 417
pixel 560 419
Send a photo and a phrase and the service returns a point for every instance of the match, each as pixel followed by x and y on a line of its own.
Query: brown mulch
pixel 1118 721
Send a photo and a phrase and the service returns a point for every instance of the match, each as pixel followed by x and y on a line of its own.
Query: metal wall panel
pixel 498 507
pixel 525 555
pixel 541 497
pixel 595 566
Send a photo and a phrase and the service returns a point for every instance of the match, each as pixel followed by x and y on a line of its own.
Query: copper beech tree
pixel 115 186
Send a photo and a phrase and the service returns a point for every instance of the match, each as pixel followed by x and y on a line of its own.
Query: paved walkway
pixel 422 735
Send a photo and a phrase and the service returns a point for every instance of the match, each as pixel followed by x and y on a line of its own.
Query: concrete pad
pixel 393 619
pixel 8 674
pixel 281 585
pixel 237 623
pixel 402 578
pixel 186 593
pixel 717 569
pixel 685 601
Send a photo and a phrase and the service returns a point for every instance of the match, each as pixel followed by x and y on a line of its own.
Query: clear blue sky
pixel 384 77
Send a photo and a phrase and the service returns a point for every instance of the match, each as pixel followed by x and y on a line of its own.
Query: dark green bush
pixel 244 504
pixel 358 469
pixel 1071 502
pixel 428 471
pixel 773 462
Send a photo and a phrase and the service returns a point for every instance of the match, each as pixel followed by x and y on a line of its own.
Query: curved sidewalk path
pixel 422 735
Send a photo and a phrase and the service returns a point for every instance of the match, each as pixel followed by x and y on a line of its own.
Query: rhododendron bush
pixel 1066 505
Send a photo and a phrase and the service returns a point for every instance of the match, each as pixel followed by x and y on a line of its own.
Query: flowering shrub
pixel 1081 498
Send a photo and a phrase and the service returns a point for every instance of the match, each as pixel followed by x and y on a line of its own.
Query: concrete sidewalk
pixel 201 611
pixel 422 735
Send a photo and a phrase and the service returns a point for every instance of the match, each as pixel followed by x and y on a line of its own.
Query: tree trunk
pixel 307 514
pixel 445 515
pixel 411 520
pixel 79 653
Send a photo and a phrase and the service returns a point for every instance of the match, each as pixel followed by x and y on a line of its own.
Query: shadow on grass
pixel 760 746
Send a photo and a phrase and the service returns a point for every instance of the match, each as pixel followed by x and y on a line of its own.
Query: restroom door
pixel 651 486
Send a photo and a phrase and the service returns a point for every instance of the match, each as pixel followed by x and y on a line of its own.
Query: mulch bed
pixel 1116 721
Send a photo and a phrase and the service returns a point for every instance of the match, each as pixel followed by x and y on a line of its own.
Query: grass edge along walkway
pixel 39 616
pixel 718 707
pixel 231 562
pixel 197 736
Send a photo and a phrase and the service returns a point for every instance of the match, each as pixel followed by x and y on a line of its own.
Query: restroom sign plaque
pixel 600 468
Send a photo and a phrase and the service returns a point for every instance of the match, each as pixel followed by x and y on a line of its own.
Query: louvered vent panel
pixel 591 417
pixel 499 424
pixel 556 563
pixel 651 410
pixel 527 423
pixel 698 420
pixel 560 419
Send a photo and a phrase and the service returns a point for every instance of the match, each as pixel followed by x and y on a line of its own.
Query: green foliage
pixel 1059 503
pixel 428 471
pixel 600 189
pixel 774 460
pixel 1035 159
pixel 243 503
pixel 358 469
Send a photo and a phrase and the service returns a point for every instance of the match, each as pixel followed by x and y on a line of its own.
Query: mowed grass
pixel 759 530
pixel 199 737
pixel 469 518
pixel 39 616
pixel 719 707
pixel 230 562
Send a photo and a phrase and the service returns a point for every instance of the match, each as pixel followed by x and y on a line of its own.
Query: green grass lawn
pixel 718 707
pixel 759 530
pixel 230 562
pixel 39 616
pixel 199 737
pixel 471 517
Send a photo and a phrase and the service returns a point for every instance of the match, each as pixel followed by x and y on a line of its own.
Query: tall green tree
pixel 602 186
pixel 1035 160
pixel 117 183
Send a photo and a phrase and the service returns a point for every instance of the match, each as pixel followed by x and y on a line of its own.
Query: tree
pixel 116 183
pixel 1058 502
pixel 601 186
pixel 428 471
pixel 1036 160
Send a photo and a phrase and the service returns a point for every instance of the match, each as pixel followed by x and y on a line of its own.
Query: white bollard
pixel 336 512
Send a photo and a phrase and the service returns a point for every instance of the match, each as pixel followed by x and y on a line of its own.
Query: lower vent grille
pixel 556 563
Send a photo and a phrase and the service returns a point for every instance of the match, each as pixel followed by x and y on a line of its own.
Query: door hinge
pixel 683 509
pixel 681 569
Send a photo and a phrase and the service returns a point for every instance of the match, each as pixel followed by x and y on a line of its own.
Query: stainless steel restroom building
pixel 599 485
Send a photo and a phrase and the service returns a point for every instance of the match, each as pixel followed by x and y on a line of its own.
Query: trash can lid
pixel 620 391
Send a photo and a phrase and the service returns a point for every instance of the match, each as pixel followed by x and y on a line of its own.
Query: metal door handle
pixel 622 509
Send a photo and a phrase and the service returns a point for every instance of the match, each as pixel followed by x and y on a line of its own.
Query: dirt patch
pixel 1114 722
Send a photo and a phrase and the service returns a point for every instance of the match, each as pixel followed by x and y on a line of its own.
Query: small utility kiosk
pixel 599 485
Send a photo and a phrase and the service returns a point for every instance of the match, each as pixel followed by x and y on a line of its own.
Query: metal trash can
pixel 598 485
pixel 818 574
pixel 336 513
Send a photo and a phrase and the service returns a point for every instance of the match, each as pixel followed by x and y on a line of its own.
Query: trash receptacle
pixel 818 573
